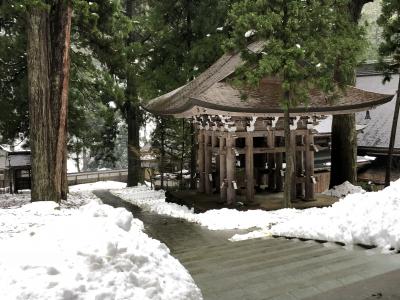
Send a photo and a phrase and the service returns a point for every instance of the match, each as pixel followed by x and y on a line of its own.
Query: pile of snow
pixel 99 185
pixel 94 252
pixel 370 218
pixel 14 200
pixel 154 201
pixel 217 219
pixel 344 189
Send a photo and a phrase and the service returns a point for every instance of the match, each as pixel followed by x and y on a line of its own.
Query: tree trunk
pixel 48 33
pixel 344 150
pixel 289 153
pixel 392 137
pixel 162 152
pixel 85 160
pixel 133 118
pixel 344 136
pixel 134 166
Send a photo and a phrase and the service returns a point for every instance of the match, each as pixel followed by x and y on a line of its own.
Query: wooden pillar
pixel 271 162
pixel 215 146
pixel 249 168
pixel 309 166
pixel 299 167
pixel 200 160
pixel 207 163
pixel 278 174
pixel 230 169
pixel 293 142
pixel 222 168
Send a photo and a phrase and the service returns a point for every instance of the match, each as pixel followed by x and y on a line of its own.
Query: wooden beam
pixel 264 133
pixel 230 170
pixel 200 160
pixel 249 169
pixel 222 169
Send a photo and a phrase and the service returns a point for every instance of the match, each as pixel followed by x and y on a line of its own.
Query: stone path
pixel 273 268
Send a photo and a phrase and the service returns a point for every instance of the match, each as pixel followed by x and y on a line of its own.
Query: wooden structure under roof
pixel 248 130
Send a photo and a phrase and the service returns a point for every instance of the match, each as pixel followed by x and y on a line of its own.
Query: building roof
pixel 212 93
pixel 377 129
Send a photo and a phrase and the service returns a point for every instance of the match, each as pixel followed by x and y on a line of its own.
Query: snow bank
pixel 368 218
pixel 94 252
pixel 217 219
pixel 154 201
pixel 13 200
pixel 344 189
pixel 99 185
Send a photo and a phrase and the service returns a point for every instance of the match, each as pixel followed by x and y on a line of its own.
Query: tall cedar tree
pixel 48 34
pixel 390 49
pixel 344 136
pixel 199 28
pixel 91 87
pixel 302 43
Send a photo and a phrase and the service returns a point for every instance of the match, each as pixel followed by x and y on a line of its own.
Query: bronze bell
pixel 367 115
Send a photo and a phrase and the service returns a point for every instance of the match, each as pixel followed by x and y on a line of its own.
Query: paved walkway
pixel 273 268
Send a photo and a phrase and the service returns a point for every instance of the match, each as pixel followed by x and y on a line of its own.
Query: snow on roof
pixel 325 125
pixel 377 130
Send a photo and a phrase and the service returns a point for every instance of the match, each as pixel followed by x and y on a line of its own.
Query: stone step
pixel 269 286
pixel 268 260
pixel 240 252
pixel 222 245
pixel 273 275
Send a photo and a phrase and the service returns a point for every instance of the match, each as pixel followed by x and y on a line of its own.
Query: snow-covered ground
pixel 344 189
pixel 90 251
pixel 369 218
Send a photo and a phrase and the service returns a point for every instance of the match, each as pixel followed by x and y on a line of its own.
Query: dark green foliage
pixel 389 49
pixel 186 38
pixel 308 43
pixel 13 78
pixel 174 134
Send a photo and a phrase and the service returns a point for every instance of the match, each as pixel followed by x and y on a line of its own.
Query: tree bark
pixel 392 137
pixel 48 33
pixel 344 150
pixel 134 166
pixel 132 118
pixel 162 152
pixel 344 136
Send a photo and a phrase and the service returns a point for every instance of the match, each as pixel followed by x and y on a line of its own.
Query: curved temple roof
pixel 210 93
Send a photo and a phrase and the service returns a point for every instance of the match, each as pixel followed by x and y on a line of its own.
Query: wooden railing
pixel 94 176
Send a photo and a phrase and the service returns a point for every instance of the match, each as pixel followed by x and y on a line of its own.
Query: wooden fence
pixel 89 177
